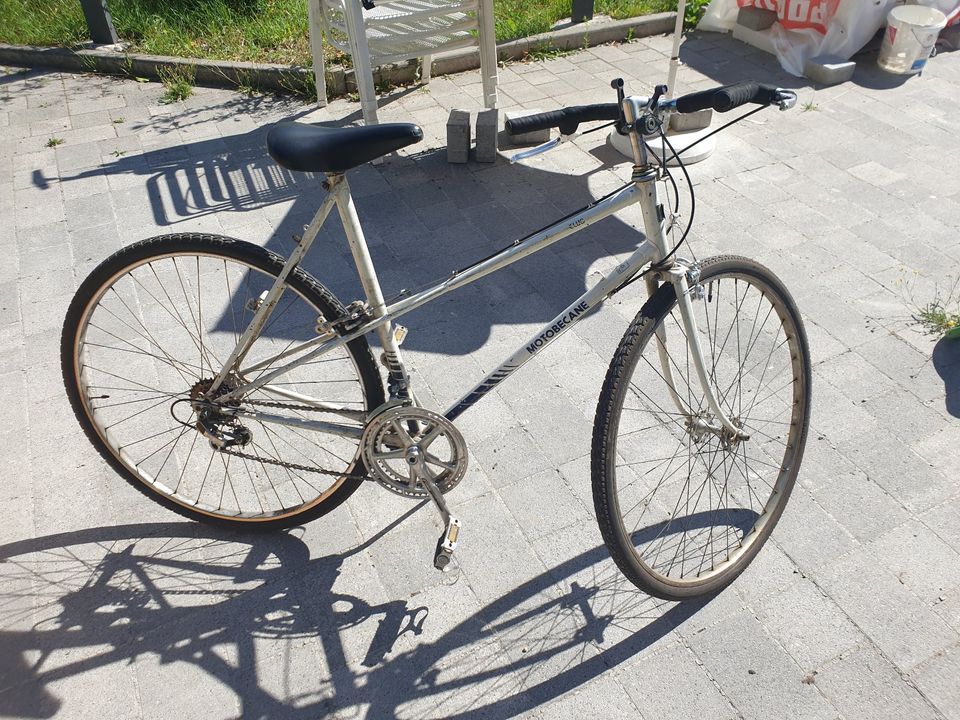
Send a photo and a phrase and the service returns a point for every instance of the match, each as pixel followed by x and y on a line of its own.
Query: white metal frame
pixel 400 30
pixel 642 190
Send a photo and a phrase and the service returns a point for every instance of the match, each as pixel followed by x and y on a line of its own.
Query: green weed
pixel 54 141
pixel 545 51
pixel 693 13
pixel 177 82
pixel 940 315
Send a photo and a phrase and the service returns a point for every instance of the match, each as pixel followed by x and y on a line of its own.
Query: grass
pixel 693 12
pixel 939 316
pixel 252 30
pixel 53 142
pixel 177 83
pixel 937 319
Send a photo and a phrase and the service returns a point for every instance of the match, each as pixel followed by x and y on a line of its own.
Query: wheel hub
pixel 703 425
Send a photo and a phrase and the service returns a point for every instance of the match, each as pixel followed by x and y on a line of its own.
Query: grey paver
pixel 754 673
pixel 864 684
pixel 655 692
pixel 906 631
pixel 809 625
pixel 859 583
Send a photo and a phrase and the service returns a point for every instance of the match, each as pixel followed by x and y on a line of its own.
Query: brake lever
pixel 549 145
pixel 658 91
pixel 786 99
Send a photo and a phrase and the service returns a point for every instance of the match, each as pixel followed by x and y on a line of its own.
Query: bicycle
pixel 226 383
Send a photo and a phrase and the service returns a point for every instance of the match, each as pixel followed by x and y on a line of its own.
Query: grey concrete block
pixel 754 18
pixel 829 69
pixel 681 122
pixel 487 122
pixel 458 136
pixel 531 138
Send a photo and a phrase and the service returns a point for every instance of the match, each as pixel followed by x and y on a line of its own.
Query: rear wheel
pixel 144 338
pixel 683 509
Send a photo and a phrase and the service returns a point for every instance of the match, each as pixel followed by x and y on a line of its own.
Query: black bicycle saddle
pixel 317 148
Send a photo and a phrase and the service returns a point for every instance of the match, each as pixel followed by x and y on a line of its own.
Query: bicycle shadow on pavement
pixel 423 218
pixel 256 616
pixel 946 361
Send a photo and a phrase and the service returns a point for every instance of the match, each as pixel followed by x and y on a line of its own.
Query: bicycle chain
pixel 289 465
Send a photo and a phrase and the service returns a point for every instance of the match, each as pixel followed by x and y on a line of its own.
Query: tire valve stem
pixel 253 304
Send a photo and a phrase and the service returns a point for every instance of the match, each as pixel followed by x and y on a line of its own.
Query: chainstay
pixel 289 465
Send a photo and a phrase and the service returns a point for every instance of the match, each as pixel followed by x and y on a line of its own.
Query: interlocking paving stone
pixel 855 204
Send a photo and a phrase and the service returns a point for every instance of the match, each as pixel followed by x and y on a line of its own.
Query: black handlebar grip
pixel 532 123
pixel 573 116
pixel 567 119
pixel 728 97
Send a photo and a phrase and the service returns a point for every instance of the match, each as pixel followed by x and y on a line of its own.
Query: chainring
pixel 404 443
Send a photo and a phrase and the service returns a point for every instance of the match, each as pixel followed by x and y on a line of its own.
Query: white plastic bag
pixel 810 28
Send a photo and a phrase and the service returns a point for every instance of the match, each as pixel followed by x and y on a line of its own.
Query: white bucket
pixel 912 31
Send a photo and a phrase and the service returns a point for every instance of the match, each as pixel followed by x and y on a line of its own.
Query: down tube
pixel 555 328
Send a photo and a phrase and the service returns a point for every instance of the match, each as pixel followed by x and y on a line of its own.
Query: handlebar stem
pixel 634 108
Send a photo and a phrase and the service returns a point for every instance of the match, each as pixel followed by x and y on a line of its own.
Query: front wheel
pixel 683 509
pixel 143 340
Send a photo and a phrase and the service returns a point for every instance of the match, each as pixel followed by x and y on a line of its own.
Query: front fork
pixel 685 278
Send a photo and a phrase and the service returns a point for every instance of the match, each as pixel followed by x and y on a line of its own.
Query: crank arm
pixel 451 531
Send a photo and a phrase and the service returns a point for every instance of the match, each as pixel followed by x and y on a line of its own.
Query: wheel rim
pixel 161 327
pixel 690 504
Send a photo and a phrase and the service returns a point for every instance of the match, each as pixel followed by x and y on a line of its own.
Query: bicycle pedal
pixel 446 545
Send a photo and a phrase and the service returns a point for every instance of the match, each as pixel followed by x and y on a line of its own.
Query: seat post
pixel 368 279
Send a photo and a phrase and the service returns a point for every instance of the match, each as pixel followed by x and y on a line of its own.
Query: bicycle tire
pixel 619 478
pixel 124 317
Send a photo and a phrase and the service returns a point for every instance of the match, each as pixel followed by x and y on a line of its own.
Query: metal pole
pixel 675 55
pixel 360 54
pixel 99 22
pixel 488 53
pixel 581 11
pixel 315 20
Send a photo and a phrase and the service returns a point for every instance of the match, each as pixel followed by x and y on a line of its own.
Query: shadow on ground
pixel 946 360
pixel 219 601
pixel 423 217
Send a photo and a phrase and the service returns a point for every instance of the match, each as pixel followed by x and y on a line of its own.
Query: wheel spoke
pixel 160 324
pixel 689 501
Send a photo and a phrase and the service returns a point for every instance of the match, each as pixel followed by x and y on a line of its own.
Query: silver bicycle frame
pixel 653 247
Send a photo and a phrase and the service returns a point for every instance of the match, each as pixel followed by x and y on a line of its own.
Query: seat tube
pixel 368 279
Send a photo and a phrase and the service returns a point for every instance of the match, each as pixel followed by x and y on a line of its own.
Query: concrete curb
pixel 290 78
pixel 208 73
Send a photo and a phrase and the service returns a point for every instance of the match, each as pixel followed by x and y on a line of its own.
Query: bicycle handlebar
pixel 721 99
pixel 728 97
pixel 566 119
